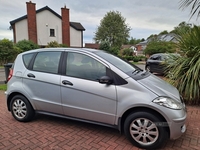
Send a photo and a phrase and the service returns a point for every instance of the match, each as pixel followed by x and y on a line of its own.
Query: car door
pixel 42 82
pixel 155 63
pixel 82 95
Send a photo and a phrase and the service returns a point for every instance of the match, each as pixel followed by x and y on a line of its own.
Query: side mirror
pixel 105 80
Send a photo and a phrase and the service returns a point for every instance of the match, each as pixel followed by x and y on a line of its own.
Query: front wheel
pixel 144 130
pixel 21 109
pixel 148 68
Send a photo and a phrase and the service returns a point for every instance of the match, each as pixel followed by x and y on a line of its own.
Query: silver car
pixel 97 87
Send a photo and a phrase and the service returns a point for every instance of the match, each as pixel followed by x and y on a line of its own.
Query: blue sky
pixel 145 17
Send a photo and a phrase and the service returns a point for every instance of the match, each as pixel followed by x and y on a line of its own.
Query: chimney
pixel 31 18
pixel 65 26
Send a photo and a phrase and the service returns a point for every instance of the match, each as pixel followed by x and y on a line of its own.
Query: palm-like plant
pixel 185 71
pixel 195 6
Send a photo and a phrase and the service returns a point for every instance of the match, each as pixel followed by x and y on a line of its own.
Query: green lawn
pixel 3 87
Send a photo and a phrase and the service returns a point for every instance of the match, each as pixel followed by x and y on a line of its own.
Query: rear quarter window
pixel 27 59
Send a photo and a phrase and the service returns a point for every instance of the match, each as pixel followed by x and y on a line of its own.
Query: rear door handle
pixel 30 75
pixel 65 82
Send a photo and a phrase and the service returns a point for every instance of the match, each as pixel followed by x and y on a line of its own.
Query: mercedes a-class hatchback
pixel 97 87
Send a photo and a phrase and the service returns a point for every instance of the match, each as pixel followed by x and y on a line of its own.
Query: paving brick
pixel 45 133
pixel 186 142
pixel 193 142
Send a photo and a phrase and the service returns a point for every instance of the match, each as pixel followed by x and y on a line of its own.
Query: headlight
pixel 168 102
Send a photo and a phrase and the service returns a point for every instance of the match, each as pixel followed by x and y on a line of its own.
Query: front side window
pixel 47 62
pixel 83 66
pixel 117 62
pixel 52 32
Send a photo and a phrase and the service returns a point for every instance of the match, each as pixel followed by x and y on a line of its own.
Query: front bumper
pixel 177 127
pixel 176 120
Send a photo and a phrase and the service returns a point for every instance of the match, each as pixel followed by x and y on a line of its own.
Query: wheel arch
pixel 11 96
pixel 139 109
pixel 146 66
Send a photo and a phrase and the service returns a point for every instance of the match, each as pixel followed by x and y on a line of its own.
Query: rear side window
pixel 47 62
pixel 27 59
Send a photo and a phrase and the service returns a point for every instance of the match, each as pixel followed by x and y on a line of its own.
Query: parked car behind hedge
pixel 157 63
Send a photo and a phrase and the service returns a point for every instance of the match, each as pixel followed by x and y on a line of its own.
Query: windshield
pixel 119 63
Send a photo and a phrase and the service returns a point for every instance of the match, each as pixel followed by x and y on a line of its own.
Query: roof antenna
pixel 65 6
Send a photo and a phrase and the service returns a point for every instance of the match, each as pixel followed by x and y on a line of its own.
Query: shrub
pixel 26 45
pixel 7 51
pixel 127 52
pixel 184 72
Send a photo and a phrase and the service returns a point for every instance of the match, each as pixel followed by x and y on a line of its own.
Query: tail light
pixel 10 74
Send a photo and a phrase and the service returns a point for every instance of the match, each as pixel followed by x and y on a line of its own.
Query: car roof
pixel 62 49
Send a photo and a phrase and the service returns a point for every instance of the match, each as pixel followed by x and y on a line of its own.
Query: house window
pixel 52 32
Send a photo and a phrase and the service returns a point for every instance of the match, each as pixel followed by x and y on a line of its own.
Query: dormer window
pixel 52 32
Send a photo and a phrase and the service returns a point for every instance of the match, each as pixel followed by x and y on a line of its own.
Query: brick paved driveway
pixel 55 133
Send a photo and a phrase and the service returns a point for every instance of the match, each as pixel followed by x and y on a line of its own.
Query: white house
pixel 45 25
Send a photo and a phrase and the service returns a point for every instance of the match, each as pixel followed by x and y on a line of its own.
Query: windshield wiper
pixel 137 70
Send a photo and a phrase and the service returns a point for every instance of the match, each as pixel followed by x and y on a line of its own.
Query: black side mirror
pixel 105 80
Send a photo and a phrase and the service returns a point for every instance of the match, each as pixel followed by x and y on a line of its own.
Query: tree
pixel 112 29
pixel 153 37
pixel 26 45
pixel 134 41
pixel 163 32
pixel 186 69
pixel 159 47
pixel 182 28
pixel 104 46
pixel 195 6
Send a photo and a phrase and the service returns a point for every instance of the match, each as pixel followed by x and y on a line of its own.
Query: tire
pixel 21 109
pixel 141 130
pixel 148 69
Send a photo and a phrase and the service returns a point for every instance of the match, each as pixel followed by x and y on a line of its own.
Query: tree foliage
pixel 181 28
pixel 134 41
pixel 104 46
pixel 195 5
pixel 26 45
pixel 112 29
pixel 159 47
pixel 186 69
pixel 7 51
pixel 163 32
pixel 153 37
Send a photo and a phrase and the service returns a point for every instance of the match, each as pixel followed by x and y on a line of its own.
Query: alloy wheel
pixel 19 108
pixel 144 131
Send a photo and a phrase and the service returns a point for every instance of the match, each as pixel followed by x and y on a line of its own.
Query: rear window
pixel 27 59
pixel 47 62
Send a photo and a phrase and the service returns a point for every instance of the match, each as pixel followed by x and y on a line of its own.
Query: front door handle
pixel 30 75
pixel 65 82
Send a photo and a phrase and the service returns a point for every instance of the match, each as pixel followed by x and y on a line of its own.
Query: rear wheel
pixel 21 109
pixel 145 130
